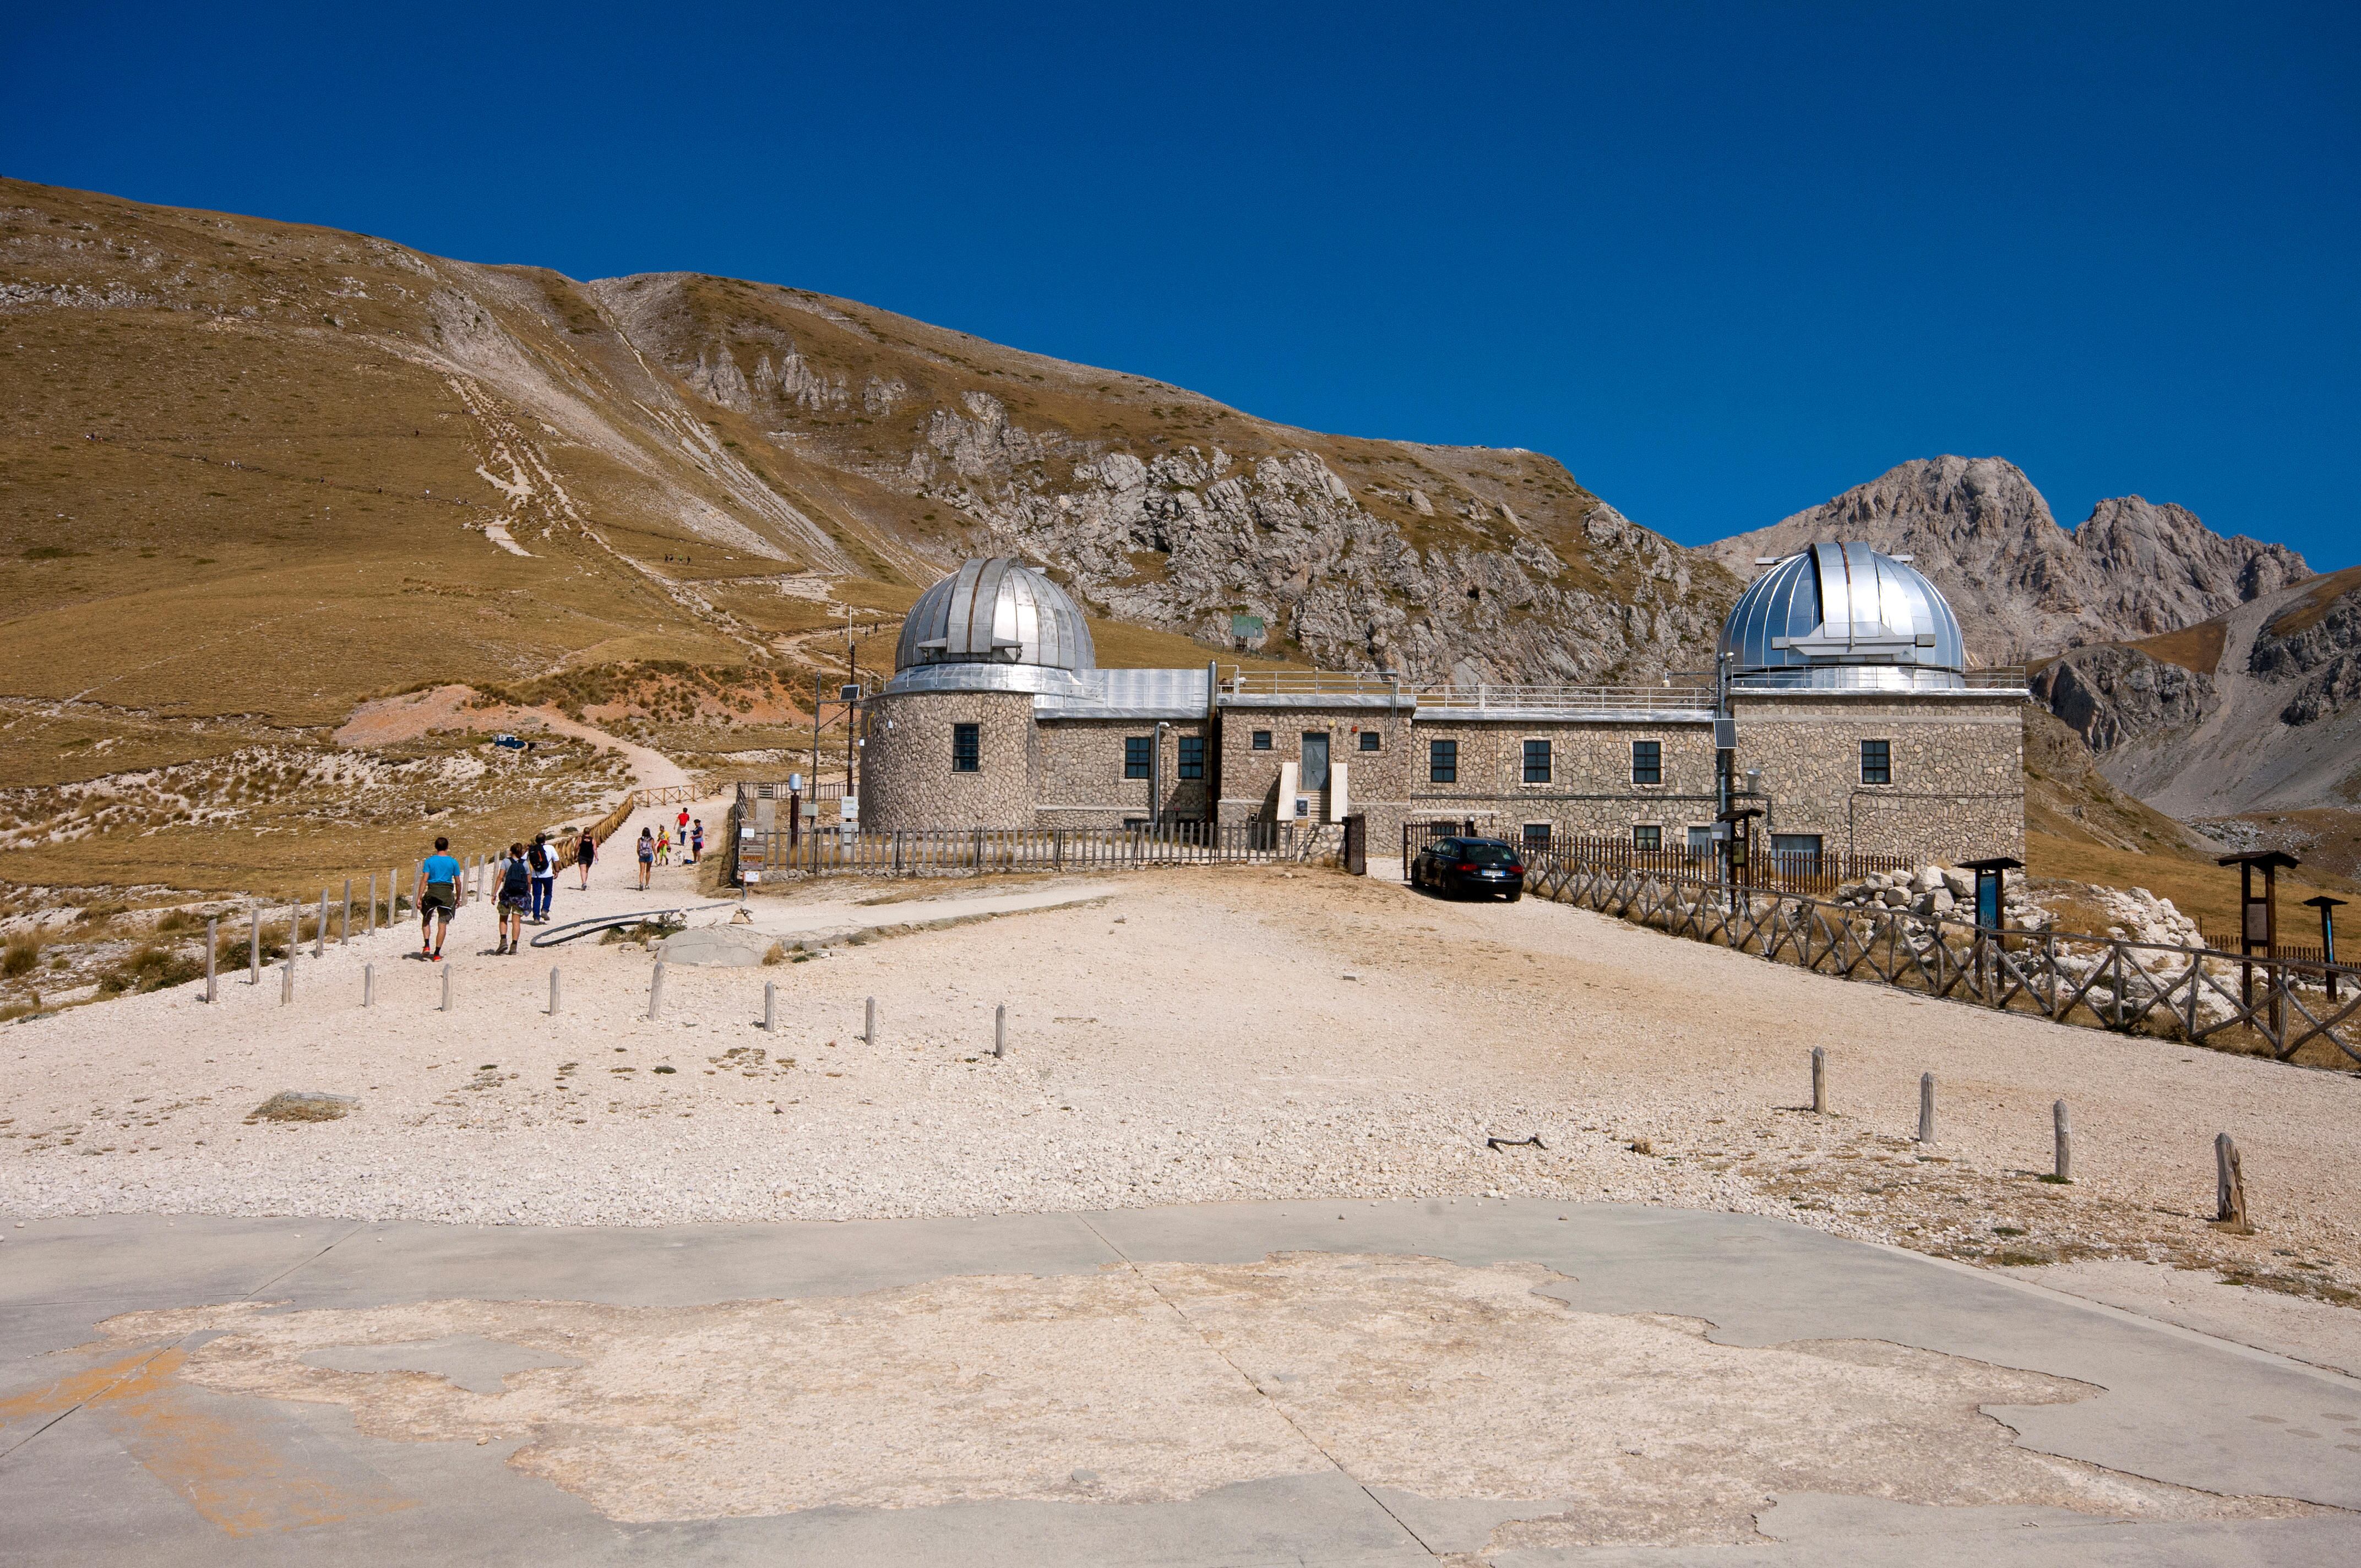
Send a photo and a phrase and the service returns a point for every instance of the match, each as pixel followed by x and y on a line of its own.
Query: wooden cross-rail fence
pixel 2279 1003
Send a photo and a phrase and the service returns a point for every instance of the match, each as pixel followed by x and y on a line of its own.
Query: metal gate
pixel 1417 836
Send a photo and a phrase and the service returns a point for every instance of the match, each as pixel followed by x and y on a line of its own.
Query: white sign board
pixel 852 810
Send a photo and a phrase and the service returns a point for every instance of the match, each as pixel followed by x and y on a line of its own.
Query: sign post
pixel 2258 917
pixel 2327 907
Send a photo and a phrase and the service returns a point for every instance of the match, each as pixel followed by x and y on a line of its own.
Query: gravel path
pixel 1197 1035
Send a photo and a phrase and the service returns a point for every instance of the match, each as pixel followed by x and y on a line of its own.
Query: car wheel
pixel 1515 893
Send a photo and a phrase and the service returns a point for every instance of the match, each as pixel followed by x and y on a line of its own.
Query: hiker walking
pixel 542 862
pixel 516 893
pixel 697 843
pixel 586 849
pixel 683 825
pixel 647 856
pixel 437 895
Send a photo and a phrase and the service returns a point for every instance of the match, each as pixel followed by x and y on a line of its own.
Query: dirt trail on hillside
pixel 389 720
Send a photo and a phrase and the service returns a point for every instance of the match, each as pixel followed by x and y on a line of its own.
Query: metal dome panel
pixel 993 611
pixel 1843 617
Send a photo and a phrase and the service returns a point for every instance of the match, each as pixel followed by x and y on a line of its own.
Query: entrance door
pixel 1316 760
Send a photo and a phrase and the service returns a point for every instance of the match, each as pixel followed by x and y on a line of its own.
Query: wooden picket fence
pixel 967 851
pixel 2279 1004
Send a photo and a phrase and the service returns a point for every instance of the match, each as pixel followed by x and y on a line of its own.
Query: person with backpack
pixel 542 862
pixel 647 856
pixel 586 849
pixel 516 893
pixel 437 895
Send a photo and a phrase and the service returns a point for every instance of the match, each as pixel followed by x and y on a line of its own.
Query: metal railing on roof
pixel 1485 696
pixel 1304 682
pixel 1507 696
pixel 1872 679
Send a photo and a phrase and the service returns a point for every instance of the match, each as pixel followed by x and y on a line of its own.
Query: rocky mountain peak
pixel 2024 585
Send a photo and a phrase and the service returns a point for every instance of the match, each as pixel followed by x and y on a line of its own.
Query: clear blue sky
pixel 1723 260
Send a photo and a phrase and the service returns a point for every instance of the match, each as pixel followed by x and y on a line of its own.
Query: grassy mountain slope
pixel 253 474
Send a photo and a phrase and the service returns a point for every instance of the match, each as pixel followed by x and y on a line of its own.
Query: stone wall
pixel 907 780
pixel 1589 791
pixel 1958 770
pixel 1373 781
pixel 1081 774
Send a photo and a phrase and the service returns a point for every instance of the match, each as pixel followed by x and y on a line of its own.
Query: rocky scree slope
pixel 2259 709
pixel 1166 508
pixel 2025 586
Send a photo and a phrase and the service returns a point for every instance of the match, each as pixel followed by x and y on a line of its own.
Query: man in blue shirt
pixel 438 894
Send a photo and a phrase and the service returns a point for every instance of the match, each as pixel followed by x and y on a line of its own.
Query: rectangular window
pixel 966 749
pixel 1262 740
pixel 1700 840
pixel 1136 751
pixel 1193 756
pixel 1537 761
pixel 1798 851
pixel 1877 762
pixel 1647 835
pixel 1371 740
pixel 1443 761
pixel 1647 762
pixel 1537 835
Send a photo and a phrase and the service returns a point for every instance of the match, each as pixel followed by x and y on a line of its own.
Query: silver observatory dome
pixel 1843 618
pixel 993 625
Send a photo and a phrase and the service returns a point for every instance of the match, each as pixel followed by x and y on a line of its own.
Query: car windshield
pixel 1488 854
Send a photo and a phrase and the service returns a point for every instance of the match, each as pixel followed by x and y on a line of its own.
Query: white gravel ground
pixel 1198 1035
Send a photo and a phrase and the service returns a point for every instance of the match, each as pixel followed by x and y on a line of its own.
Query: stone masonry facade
pixel 1084 781
pixel 907 778
pixel 1955 766
pixel 1952 763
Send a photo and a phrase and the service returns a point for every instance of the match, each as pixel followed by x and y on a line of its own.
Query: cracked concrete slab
pixel 1283 1383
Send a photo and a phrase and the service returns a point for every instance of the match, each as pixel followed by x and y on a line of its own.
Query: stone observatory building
pixel 1841 707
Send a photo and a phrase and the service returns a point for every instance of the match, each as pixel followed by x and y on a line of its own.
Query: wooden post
pixel 1925 1107
pixel 213 938
pixel 254 944
pixel 320 931
pixel 655 991
pixel 1820 1081
pixel 2230 1186
pixel 553 991
pixel 2064 1128
pixel 287 977
pixel 368 921
pixel 368 985
pixel 345 921
pixel 869 1023
pixel 447 988
pixel 770 1007
pixel 1000 1030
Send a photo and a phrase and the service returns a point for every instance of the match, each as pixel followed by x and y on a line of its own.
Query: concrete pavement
pixel 116 1454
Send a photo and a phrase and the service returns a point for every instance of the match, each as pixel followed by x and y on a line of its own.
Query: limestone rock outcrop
pixel 2317 642
pixel 2111 695
pixel 2024 585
